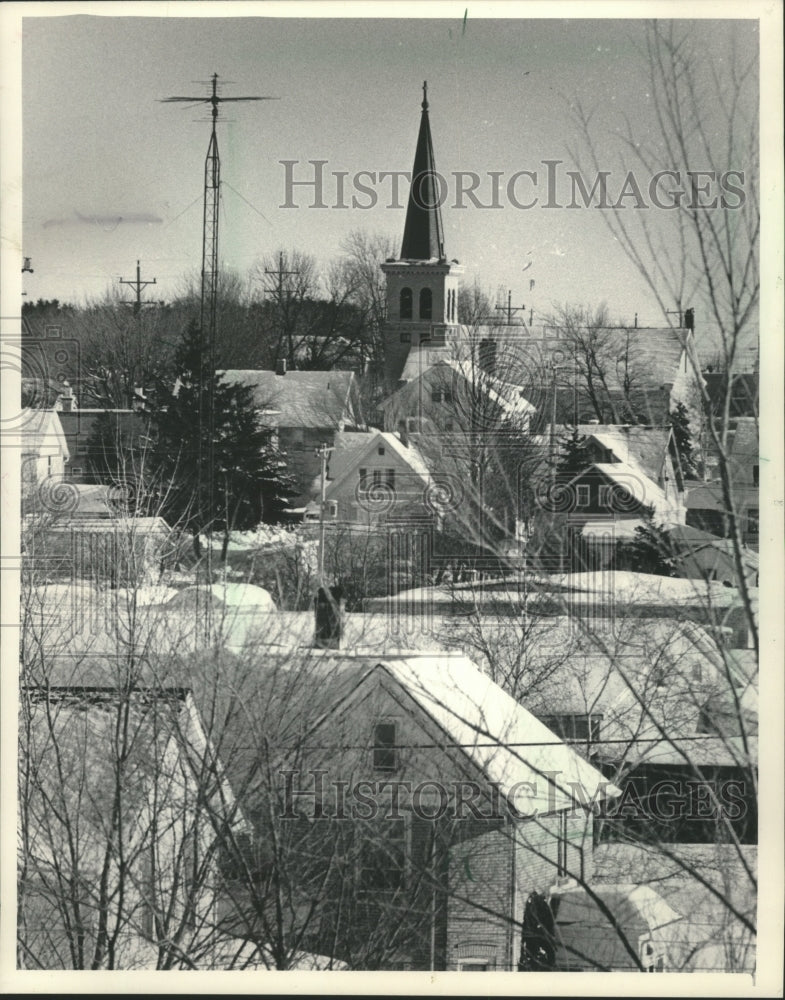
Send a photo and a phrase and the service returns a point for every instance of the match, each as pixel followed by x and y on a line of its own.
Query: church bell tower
pixel 422 285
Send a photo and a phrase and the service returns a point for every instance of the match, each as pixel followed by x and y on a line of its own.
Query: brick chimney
pixel 280 366
pixel 329 608
pixel 67 400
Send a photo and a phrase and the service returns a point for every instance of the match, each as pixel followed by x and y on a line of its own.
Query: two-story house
pixel 373 478
pixel 425 803
pixel 304 409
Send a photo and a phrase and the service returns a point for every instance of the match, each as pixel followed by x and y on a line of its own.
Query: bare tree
pixel 702 254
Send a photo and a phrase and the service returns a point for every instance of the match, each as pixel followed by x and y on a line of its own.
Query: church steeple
pixel 422 285
pixel 423 233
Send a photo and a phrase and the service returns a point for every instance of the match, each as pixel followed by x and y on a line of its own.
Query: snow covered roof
pixel 41 433
pixel 423 362
pixel 638 484
pixel 641 447
pixel 299 399
pixel 239 596
pixel 516 752
pixel 350 455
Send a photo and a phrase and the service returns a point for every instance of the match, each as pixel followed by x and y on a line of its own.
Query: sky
pixel 98 144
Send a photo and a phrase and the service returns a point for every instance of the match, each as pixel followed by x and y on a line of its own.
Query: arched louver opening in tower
pixel 426 303
pixel 406 303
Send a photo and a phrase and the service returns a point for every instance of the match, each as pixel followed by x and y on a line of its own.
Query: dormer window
pixel 406 303
pixel 426 303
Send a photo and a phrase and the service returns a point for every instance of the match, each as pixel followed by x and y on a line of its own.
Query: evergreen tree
pixel 652 550
pixel 682 440
pixel 249 479
pixel 574 456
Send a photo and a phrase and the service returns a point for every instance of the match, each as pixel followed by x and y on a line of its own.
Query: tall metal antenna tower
pixel 209 292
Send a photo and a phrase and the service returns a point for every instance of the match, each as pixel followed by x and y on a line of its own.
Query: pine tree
pixel 682 440
pixel 574 456
pixel 249 483
pixel 652 550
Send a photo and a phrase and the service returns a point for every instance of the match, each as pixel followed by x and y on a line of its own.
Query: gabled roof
pixel 636 482
pixel 507 397
pixel 513 750
pixel 41 433
pixel 642 447
pixel 299 399
pixel 354 449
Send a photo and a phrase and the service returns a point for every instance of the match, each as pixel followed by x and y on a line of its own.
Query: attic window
pixel 583 496
pixel 384 749
pixel 381 450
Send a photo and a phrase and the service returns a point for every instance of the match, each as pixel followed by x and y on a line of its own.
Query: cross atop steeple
pixel 423 233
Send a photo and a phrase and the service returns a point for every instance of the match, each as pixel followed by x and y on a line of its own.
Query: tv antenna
pixel 209 291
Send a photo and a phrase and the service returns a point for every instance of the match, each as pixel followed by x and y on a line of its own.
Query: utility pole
pixel 322 453
pixel 675 312
pixel 278 292
pixel 510 309
pixel 138 285
pixel 554 368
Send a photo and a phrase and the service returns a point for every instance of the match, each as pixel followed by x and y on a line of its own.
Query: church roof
pixel 299 399
pixel 423 233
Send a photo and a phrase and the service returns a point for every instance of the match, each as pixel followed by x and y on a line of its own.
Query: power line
pixel 138 285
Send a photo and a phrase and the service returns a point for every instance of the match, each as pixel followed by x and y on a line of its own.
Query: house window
pixel 436 395
pixel 49 465
pixel 382 477
pixel 383 857
pixel 575 726
pixel 406 303
pixel 447 396
pixel 426 303
pixel 755 475
pixel 384 748
pixel 605 496
pixel 561 846
pixel 584 496
pixel 475 967
pixel 363 480
pixel 381 451
pixel 753 517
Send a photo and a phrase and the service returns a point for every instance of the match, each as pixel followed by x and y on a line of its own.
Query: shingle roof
pixel 299 399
